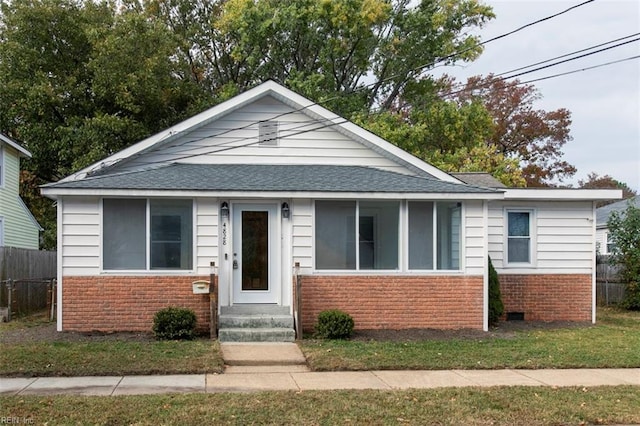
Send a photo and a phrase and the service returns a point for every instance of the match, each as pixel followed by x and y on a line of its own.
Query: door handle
pixel 235 264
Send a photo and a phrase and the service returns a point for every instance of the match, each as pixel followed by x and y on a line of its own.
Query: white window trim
pixel 532 238
pixel 147 270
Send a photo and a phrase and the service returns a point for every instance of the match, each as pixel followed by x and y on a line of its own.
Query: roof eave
pixel 21 151
pixel 555 194
pixel 53 192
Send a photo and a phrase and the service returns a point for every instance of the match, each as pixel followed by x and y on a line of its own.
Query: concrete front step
pixel 255 309
pixel 256 334
pixel 255 321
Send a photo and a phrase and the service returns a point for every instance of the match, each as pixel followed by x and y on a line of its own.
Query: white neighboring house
pixel 603 244
pixel 18 227
pixel 269 183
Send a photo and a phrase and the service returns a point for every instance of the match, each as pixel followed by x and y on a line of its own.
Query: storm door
pixel 255 254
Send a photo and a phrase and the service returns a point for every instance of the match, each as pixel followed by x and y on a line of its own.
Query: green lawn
pixel 102 358
pixel 613 342
pixel 468 406
pixel 110 358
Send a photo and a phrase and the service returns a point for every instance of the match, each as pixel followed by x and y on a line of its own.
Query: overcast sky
pixel 604 103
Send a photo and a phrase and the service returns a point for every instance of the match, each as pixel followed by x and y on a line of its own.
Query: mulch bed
pixel 46 332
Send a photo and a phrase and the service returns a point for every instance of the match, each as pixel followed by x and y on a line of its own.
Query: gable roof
pixel 21 151
pixel 603 213
pixel 272 179
pixel 481 179
pixel 288 97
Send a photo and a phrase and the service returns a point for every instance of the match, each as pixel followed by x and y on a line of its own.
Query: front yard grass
pixel 42 352
pixel 113 358
pixel 468 406
pixel 614 342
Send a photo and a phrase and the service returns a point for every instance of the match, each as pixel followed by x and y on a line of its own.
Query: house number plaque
pixel 224 234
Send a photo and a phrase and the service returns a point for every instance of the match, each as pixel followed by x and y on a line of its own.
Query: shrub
pixel 174 324
pixel 334 324
pixel 496 307
pixel 624 231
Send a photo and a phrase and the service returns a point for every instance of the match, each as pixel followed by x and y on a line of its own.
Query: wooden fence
pixel 24 297
pixel 27 281
pixel 25 264
pixel 610 289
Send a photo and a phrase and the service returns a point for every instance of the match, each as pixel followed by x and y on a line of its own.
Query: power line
pixel 443 59
pixel 503 77
pixel 253 140
pixel 567 54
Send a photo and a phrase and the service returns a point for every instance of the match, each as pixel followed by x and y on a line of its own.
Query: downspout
pixel 593 262
pixel 485 277
pixel 59 261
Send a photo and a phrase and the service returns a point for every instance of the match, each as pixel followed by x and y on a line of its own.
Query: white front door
pixel 255 259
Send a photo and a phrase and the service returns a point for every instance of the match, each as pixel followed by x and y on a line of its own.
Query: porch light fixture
pixel 285 210
pixel 224 209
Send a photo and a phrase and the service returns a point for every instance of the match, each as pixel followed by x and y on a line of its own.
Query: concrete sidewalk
pixel 295 378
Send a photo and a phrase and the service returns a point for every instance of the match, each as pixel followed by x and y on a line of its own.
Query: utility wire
pixel 433 63
pixel 253 140
pixel 301 124
pixel 503 77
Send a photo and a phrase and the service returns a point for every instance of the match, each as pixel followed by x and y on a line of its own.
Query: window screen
pixel 124 234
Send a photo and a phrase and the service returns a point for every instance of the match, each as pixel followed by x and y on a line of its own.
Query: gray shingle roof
pixel 484 180
pixel 603 213
pixel 270 178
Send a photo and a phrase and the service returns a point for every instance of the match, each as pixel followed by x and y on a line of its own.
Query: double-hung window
pixel 140 234
pixel 519 243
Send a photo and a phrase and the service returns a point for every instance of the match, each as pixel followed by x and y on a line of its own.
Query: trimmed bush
pixel 496 307
pixel 334 324
pixel 174 324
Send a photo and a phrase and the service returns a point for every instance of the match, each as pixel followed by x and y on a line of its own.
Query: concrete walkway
pixel 261 378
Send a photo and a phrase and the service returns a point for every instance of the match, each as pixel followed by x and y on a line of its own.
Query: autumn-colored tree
pixel 595 181
pixel 534 136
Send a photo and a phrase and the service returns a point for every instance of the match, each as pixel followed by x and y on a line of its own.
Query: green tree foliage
pixel 323 49
pixel 82 80
pixel 624 232
pixel 496 307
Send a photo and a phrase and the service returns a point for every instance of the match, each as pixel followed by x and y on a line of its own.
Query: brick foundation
pixel 396 302
pixel 128 303
pixel 562 297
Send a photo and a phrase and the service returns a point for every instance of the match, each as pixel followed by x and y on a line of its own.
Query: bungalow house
pixel 603 242
pixel 18 227
pixel 277 190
